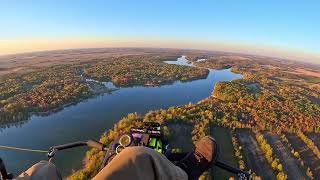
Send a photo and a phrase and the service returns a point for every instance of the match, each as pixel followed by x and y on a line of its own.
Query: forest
pixel 255 113
pixel 47 89
pixel 39 92
pixel 139 70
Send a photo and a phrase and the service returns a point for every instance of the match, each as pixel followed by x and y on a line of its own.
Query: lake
pixel 90 118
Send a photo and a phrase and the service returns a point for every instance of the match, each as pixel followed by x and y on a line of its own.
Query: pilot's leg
pixel 140 163
pixel 43 170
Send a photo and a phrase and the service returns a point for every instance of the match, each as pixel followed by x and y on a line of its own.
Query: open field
pixel 254 157
pixel 27 61
pixel 308 72
pixel 180 136
pixel 289 162
pixel 223 138
pixel 306 154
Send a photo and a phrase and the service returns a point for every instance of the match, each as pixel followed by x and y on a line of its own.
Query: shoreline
pixel 96 92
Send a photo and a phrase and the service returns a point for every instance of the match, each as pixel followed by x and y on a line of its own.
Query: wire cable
pixel 23 149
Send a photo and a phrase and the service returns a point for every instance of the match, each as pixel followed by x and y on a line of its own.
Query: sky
pixel 284 28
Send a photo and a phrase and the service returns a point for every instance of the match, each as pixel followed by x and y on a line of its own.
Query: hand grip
pixel 90 143
pixel 69 145
pixel 95 144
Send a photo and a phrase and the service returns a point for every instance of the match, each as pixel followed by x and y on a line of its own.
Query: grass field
pixel 223 138
pixel 253 156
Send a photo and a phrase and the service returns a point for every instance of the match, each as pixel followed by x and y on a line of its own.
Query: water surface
pixel 90 118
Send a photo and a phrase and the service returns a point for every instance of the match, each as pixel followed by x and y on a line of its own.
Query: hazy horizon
pixel 277 29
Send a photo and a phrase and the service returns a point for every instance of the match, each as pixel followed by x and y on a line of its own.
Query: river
pixel 91 117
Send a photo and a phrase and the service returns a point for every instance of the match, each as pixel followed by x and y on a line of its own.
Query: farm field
pixel 254 157
pixel 289 162
pixel 306 154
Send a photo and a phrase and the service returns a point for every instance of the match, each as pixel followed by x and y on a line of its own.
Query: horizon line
pixel 30 45
pixel 169 48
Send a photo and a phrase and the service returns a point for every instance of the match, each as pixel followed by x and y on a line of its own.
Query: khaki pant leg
pixel 43 170
pixel 140 163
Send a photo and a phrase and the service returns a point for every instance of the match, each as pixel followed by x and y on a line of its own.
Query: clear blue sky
pixel 278 23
